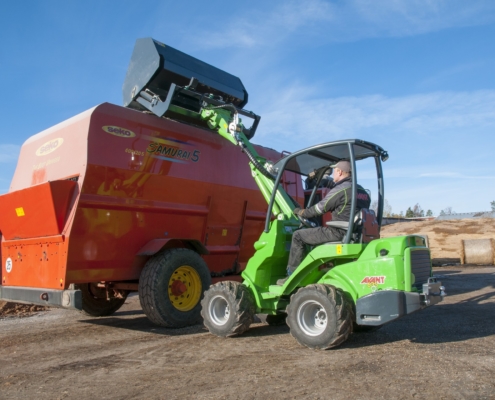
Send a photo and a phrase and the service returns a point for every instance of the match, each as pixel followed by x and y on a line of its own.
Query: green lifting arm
pixel 225 120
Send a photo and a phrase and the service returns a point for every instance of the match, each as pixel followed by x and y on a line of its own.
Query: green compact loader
pixel 360 283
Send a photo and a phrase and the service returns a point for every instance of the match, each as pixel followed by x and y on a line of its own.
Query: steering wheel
pixel 306 222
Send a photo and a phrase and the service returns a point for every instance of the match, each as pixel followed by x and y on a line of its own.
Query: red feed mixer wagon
pixel 138 198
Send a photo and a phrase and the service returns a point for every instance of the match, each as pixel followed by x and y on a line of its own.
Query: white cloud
pixel 9 153
pixel 412 17
pixel 436 195
pixel 454 175
pixel 440 144
pixel 424 115
pixel 449 73
pixel 329 21
pixel 262 28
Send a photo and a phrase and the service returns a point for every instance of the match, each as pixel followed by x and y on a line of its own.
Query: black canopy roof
pixel 312 158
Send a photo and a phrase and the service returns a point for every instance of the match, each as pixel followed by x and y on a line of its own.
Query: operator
pixel 338 202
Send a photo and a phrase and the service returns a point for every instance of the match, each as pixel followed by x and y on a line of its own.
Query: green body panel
pixel 269 262
pixel 356 269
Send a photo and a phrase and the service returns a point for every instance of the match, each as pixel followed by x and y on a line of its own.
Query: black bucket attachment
pixel 170 83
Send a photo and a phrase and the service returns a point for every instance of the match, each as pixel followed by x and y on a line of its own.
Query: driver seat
pixel 366 227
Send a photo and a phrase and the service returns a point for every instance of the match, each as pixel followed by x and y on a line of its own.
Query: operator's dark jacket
pixel 338 201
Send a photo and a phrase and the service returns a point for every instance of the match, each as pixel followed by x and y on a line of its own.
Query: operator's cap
pixel 344 166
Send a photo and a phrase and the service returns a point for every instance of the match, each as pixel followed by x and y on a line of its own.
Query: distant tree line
pixel 411 212
pixel 447 211
pixel 415 211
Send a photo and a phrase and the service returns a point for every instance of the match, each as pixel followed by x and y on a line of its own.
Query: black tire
pixel 319 316
pixel 276 320
pixel 228 309
pixel 162 307
pixel 95 303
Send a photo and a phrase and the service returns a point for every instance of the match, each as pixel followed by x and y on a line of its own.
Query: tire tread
pixel 98 307
pixel 149 284
pixel 242 306
pixel 343 313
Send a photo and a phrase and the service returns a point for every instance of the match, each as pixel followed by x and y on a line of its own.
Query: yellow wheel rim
pixel 184 288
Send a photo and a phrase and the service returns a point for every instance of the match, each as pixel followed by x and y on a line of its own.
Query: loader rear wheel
pixel 228 309
pixel 319 316
pixel 95 303
pixel 171 286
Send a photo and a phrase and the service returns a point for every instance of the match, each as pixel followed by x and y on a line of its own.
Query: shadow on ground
pixel 143 324
pixel 437 324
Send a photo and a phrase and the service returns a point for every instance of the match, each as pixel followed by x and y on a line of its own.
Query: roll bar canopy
pixel 316 157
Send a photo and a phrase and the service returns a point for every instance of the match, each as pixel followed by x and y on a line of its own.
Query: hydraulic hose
pixel 244 148
pixel 261 168
pixel 229 106
pixel 255 162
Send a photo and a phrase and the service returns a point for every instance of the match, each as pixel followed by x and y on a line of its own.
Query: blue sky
pixel 415 76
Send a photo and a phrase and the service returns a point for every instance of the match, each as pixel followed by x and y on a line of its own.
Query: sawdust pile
pixel 445 235
pixel 18 310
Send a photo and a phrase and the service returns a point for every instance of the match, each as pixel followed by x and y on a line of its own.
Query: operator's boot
pixel 280 282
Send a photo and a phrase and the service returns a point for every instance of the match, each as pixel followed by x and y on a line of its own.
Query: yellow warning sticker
pixel 224 232
pixel 339 249
pixel 20 212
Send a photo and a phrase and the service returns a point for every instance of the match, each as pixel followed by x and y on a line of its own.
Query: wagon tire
pixel 319 316
pixel 228 309
pixel 171 286
pixel 95 303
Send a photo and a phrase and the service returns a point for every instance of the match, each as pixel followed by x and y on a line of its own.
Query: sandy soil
pixel 444 352
pixel 445 236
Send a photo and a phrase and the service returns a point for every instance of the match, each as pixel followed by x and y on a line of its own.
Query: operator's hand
pixel 298 211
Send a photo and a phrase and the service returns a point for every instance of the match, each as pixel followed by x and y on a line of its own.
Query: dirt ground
pixel 444 352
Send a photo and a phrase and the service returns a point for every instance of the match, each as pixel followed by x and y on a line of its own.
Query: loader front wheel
pixel 95 302
pixel 171 286
pixel 228 309
pixel 319 316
